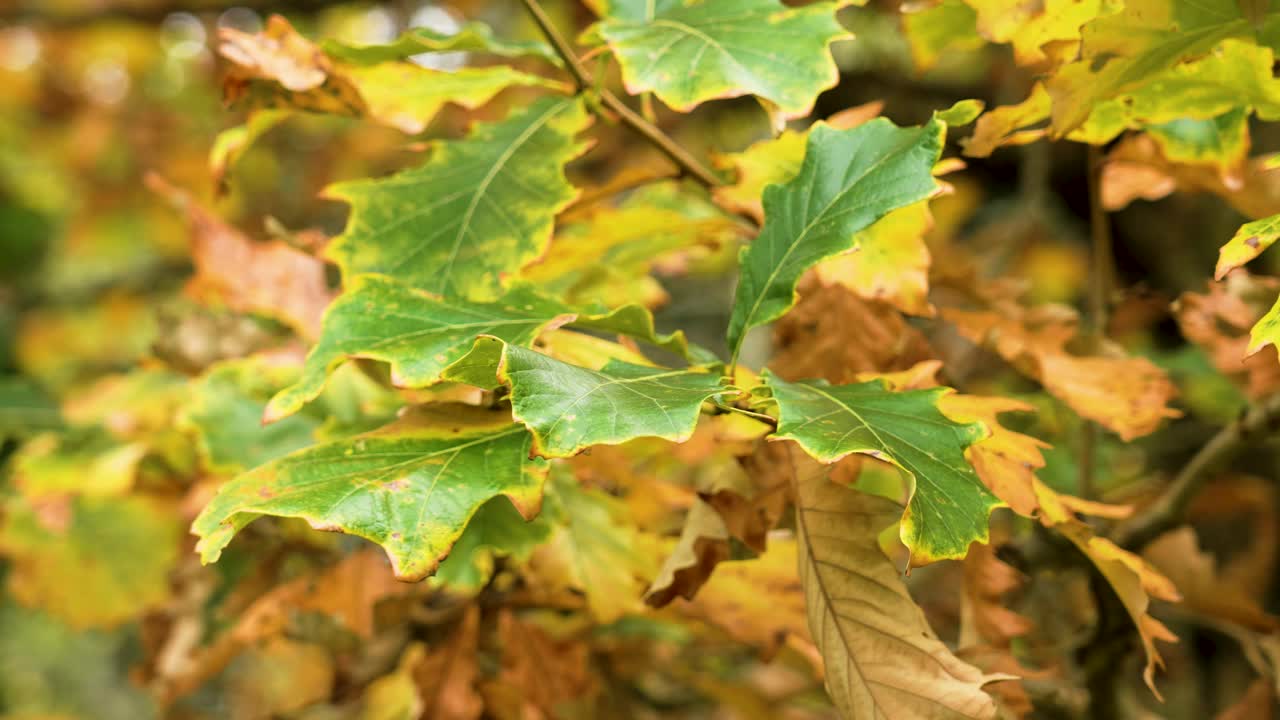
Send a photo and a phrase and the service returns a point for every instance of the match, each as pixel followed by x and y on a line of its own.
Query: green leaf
pixel 411 486
pixel 471 37
pixel 25 408
pixel 948 505
pixel 226 409
pixel 419 334
pixel 688 53
pixel 119 550
pixel 882 659
pixel 849 179
pixel 1248 243
pixel 497 529
pixel 477 211
pixel 426 338
pixel 570 408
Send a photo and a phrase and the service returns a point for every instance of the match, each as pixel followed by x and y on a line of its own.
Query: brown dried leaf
pixel 882 658
pixel 446 677
pixel 271 278
pixel 1127 395
pixel 833 334
pixel 279 68
pixel 703 544
pixel 540 674
pixel 1136 167
pixel 1219 322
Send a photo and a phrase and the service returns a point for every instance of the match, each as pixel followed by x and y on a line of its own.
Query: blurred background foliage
pixel 116 430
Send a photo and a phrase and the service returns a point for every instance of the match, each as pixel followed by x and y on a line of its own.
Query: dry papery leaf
pixel 1219 321
pixel 285 58
pixel 881 657
pixel 833 334
pixel 271 278
pixel 1127 395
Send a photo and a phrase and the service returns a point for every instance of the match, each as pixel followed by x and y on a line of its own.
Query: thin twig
pixel 681 157
pixel 1101 261
pixel 1167 511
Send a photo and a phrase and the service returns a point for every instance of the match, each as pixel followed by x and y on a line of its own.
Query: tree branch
pixel 681 157
pixel 1167 511
pixel 1101 270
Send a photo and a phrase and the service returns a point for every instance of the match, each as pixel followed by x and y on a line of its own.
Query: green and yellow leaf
pixel 411 486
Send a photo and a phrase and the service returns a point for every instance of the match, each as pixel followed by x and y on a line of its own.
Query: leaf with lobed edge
pixel 688 53
pixel 570 408
pixel 411 486
pixel 476 212
pixel 948 503
pixel 848 180
pixel 426 338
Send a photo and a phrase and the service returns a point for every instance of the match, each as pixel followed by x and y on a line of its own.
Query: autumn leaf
pixel 833 334
pixel 1040 33
pixel 891 263
pixel 594 550
pixel 383 485
pixel 280 677
pixel 543 673
pixel 1127 395
pixel 1219 321
pixel 757 601
pixel 119 549
pixel 703 544
pixel 491 201
pixel 882 659
pixel 1121 50
pixel 1248 243
pixel 849 179
pixel 279 67
pixel 948 504
pixel 1133 579
pixel 269 278
pixel 687 54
